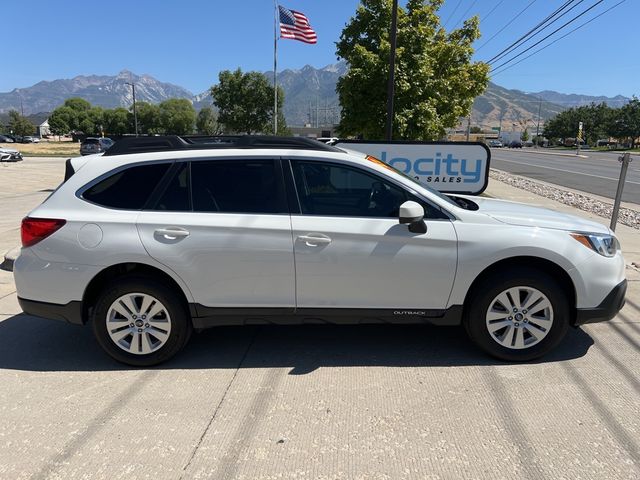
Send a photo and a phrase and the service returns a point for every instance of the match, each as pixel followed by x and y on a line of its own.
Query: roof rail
pixel 168 143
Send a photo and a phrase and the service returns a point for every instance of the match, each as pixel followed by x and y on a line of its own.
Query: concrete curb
pixel 627 205
pixel 9 258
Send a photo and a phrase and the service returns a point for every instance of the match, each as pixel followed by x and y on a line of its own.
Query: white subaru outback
pixel 163 235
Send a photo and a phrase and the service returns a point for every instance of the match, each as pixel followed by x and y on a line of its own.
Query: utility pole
pixel 135 111
pixel 538 123
pixel 392 70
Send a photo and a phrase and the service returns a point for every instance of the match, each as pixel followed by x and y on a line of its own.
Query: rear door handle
pixel 172 233
pixel 313 240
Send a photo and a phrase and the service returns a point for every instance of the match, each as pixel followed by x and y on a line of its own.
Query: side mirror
pixel 412 213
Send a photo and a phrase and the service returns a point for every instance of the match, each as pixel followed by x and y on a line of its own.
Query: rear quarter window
pixel 127 189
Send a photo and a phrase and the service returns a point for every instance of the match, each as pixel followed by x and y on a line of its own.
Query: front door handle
pixel 172 233
pixel 314 239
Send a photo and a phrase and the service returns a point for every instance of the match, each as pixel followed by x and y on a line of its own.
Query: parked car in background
pixel 9 155
pixel 573 142
pixel 13 138
pixel 495 144
pixel 30 139
pixel 6 139
pixel 515 144
pixel 92 145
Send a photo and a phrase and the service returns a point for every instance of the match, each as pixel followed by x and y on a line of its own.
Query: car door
pixel 352 253
pixel 223 226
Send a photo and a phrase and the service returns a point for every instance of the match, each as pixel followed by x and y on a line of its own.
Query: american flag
pixel 295 25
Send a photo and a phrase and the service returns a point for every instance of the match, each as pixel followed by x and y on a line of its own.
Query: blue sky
pixel 189 42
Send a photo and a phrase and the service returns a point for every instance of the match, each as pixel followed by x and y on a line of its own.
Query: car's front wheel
pixel 140 322
pixel 518 315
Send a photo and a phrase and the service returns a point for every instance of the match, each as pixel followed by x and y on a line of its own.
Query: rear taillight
pixel 36 229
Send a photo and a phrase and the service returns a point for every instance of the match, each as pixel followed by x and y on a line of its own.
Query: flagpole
pixel 275 67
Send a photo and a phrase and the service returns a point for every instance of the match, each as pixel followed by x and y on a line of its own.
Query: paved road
pixel 597 174
pixel 306 403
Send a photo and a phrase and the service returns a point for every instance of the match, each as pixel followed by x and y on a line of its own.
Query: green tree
pixel 149 121
pixel 475 130
pixel 92 121
pixel 436 81
pixel 283 128
pixel 77 104
pixel 61 120
pixel 525 135
pixel 207 122
pixel 177 116
pixel 245 102
pixel 117 121
pixel 595 118
pixel 624 122
pixel 20 125
pixel 71 116
pixel 563 125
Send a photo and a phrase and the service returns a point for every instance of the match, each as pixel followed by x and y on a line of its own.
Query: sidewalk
pixel 629 237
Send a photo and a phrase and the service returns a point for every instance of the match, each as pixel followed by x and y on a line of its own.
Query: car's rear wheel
pixel 518 315
pixel 140 322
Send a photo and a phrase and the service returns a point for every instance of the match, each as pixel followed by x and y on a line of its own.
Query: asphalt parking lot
pixel 311 402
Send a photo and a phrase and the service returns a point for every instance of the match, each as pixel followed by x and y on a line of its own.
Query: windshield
pixel 432 190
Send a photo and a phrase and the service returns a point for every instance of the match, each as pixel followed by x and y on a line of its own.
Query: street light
pixel 135 112
pixel 392 68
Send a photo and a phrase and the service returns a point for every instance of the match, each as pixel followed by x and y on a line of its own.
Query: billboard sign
pixel 450 167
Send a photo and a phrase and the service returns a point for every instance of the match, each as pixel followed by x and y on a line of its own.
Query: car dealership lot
pixel 308 402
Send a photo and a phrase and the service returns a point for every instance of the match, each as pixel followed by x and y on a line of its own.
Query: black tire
pixel 181 326
pixel 479 304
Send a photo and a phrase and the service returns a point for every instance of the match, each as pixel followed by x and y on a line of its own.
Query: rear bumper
pixel 71 312
pixel 607 309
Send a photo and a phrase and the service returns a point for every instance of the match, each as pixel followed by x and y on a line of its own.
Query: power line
pixel 509 23
pixel 465 13
pixel 540 27
pixel 552 33
pixel 493 9
pixel 452 13
pixel 558 39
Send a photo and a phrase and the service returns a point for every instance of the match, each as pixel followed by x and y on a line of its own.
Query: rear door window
pixel 127 189
pixel 176 198
pixel 237 186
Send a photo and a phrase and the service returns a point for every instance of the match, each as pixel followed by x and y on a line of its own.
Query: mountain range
pixel 310 96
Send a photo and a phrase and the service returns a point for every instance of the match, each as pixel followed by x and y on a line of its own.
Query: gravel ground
pixel 626 216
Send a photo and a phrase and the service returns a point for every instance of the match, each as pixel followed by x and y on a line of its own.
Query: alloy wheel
pixel 138 323
pixel 519 317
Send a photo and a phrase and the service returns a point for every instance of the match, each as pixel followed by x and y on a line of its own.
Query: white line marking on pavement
pixel 566 171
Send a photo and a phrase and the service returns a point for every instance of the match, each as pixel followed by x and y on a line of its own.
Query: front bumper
pixel 71 312
pixel 607 309
pixel 11 157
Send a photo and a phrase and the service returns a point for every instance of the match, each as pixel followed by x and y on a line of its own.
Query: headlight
pixel 605 245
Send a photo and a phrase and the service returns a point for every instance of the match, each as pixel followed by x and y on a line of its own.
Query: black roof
pixel 199 142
